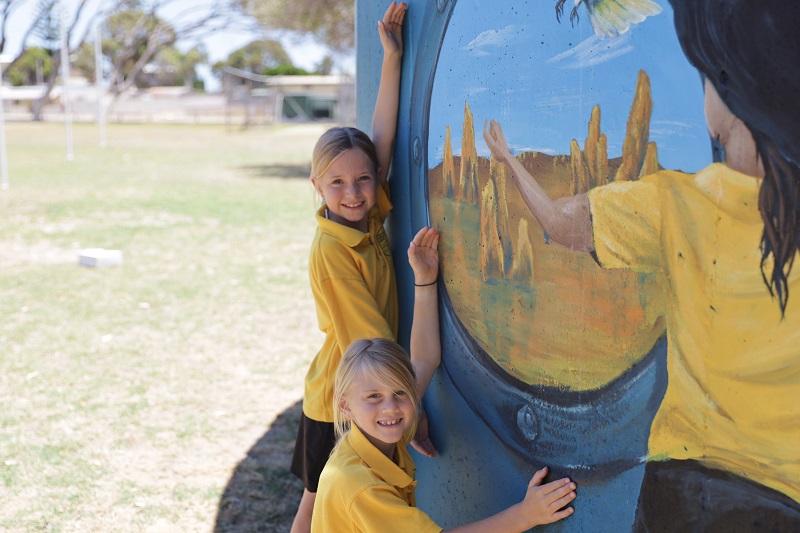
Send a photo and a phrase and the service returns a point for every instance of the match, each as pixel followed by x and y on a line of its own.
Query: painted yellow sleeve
pixel 626 222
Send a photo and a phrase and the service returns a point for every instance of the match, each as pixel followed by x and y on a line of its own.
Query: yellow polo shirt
pixel 362 490
pixel 354 287
pixel 733 395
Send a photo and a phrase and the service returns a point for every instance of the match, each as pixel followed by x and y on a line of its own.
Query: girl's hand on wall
pixel 390 29
pixel 422 440
pixel 543 504
pixel 423 256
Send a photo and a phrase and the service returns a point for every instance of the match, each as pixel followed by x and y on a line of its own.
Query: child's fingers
pixel 394 10
pixel 389 11
pixel 560 490
pixel 400 13
pixel 537 478
pixel 427 239
pixel 395 13
pixel 412 251
pixel 555 517
pixel 558 503
pixel 420 236
pixel 424 447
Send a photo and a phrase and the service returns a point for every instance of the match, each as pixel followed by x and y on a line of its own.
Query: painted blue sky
pixel 514 62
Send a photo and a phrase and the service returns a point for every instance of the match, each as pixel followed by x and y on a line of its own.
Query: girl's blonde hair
pixel 380 360
pixel 335 142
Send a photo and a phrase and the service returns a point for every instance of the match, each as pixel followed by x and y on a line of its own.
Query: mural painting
pixel 646 350
pixel 568 322
pixel 576 349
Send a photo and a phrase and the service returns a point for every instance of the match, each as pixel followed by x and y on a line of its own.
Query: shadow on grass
pixel 277 171
pixel 262 495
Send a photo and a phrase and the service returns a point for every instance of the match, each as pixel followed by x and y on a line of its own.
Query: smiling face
pixel 383 413
pixel 349 188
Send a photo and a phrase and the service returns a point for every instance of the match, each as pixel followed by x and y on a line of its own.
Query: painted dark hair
pixel 750 51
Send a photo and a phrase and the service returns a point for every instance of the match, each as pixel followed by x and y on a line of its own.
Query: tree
pixel 331 22
pixel 84 61
pixel 325 66
pixel 136 34
pixel 31 68
pixel 131 38
pixel 172 67
pixel 286 70
pixel 7 8
pixel 259 55
pixel 46 28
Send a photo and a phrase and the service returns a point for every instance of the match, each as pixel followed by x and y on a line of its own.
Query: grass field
pixel 160 395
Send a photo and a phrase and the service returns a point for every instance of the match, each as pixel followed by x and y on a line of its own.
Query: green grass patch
pixel 122 388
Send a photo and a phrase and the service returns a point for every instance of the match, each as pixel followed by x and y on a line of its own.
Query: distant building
pixel 291 98
pixel 246 100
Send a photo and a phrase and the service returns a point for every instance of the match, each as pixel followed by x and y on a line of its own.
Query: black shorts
pixel 315 441
pixel 688 496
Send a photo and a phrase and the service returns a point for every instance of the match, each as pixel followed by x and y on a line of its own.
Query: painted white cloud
pixel 528 149
pixel 671 128
pixel 480 45
pixel 593 51
pixel 483 151
pixel 470 91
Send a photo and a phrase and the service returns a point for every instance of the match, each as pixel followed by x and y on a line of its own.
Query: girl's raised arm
pixel 384 118
pixel 566 220
pixel 425 345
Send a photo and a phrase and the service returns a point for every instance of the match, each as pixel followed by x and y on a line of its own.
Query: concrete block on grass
pixel 99 257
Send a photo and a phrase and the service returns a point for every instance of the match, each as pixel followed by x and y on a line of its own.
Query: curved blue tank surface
pixel 548 359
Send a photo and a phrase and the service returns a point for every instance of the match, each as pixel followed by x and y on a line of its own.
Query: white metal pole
pixel 65 79
pixel 3 153
pixel 278 117
pixel 98 80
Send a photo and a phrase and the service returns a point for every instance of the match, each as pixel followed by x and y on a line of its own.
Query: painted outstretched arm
pixel 426 350
pixel 384 118
pixel 566 220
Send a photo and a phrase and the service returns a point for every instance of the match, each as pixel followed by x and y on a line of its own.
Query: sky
pixel 304 52
pixel 540 79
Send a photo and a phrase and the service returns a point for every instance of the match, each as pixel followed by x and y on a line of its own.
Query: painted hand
pixel 495 140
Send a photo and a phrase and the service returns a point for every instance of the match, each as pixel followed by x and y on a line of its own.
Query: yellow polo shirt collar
pixel 399 475
pixel 351 236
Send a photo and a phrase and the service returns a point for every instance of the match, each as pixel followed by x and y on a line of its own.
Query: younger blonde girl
pixel 368 483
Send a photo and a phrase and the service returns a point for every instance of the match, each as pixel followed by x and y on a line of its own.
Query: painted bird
pixel 611 18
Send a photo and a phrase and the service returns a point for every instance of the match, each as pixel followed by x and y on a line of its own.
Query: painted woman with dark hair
pixel 724 447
